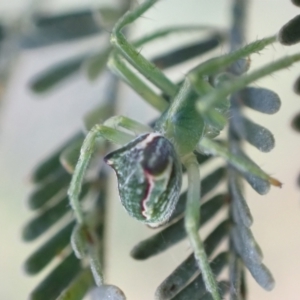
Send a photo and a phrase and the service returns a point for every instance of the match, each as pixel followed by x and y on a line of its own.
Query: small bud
pixel 240 66
pixel 107 292
pixel 289 34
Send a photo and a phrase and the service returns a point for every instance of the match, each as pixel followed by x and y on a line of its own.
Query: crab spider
pixel 148 166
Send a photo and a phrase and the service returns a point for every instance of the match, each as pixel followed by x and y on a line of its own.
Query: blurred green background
pixel 31 126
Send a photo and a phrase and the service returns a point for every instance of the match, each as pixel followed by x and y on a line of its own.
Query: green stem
pixel 192 218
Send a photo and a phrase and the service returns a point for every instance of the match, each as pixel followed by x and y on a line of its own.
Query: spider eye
pixel 149 177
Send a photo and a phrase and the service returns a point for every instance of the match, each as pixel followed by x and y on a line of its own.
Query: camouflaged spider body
pixel 149 177
pixel 148 167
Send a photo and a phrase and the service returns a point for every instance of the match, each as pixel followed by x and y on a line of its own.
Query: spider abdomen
pixel 149 177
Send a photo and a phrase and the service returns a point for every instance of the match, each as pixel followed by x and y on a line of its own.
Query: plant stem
pixel 192 219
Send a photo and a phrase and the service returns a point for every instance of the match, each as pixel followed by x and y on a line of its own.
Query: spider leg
pixel 127 123
pixel 117 64
pixel 138 61
pixel 219 64
pixel 87 149
pixel 145 67
pixel 234 85
pixel 119 67
pixel 82 235
pixel 192 219
pixel 241 164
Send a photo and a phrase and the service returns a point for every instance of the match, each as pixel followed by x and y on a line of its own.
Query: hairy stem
pixel 228 88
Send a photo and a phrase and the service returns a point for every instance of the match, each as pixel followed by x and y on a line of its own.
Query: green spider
pixel 148 166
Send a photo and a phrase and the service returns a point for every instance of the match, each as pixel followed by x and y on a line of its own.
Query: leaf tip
pixel 275 182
